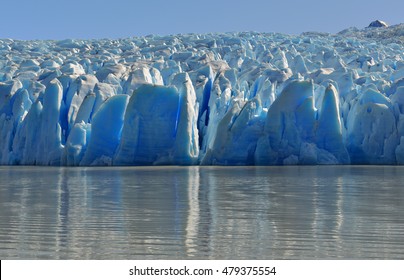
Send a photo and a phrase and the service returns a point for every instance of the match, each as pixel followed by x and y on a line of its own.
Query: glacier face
pixel 212 99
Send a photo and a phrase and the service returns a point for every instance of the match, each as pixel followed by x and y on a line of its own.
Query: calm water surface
pixel 312 212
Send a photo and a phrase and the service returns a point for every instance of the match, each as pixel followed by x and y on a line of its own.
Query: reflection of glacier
pixel 193 213
pixel 224 99
pixel 201 212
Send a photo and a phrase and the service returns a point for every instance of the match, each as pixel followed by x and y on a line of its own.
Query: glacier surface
pixel 213 99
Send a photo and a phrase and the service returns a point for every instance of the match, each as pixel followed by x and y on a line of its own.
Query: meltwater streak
pixel 300 212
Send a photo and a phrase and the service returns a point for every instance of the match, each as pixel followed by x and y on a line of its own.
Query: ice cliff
pixel 221 99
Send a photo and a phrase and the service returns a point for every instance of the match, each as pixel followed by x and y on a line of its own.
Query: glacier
pixel 244 98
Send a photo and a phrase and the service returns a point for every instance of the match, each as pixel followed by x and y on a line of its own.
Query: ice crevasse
pixel 212 99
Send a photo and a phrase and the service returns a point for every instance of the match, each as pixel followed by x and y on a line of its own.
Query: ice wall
pixel 214 99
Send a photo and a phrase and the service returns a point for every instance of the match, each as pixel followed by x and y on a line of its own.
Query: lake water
pixel 299 212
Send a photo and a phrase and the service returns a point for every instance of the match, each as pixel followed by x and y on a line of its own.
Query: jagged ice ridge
pixel 213 99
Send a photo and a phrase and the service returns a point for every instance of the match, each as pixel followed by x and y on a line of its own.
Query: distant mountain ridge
pixel 393 33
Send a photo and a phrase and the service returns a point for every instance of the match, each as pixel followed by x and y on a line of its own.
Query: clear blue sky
pixel 60 19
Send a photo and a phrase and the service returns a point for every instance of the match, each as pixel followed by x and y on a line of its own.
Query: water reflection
pixel 201 212
pixel 193 213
